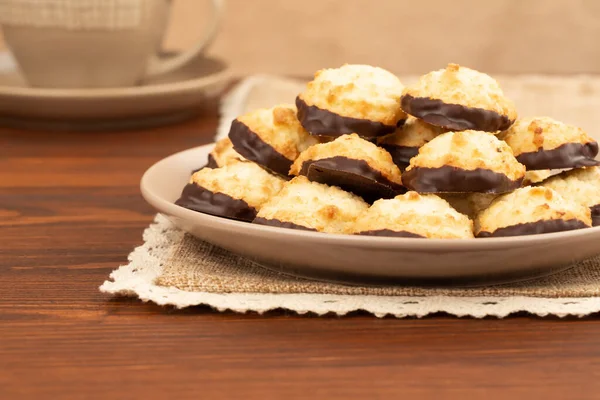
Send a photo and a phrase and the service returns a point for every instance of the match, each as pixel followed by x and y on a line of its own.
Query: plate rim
pixel 416 244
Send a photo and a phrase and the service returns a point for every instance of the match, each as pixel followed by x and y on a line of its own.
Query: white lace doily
pixel 146 264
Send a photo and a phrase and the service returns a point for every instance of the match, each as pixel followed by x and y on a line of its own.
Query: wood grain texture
pixel 70 212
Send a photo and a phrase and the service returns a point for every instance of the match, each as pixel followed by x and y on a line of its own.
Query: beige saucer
pixel 366 258
pixel 165 99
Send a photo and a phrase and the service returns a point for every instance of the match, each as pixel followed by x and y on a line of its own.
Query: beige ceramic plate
pixel 365 259
pixel 164 99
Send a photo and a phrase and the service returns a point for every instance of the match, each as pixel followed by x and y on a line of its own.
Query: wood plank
pixel 61 338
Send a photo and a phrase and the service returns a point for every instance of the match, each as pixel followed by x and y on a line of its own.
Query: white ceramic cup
pixel 60 57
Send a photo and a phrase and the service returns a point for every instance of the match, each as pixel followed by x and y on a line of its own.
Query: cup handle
pixel 164 66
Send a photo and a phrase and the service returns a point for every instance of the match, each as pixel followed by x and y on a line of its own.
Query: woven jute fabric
pixel 72 14
pixel 198 266
pixel 173 268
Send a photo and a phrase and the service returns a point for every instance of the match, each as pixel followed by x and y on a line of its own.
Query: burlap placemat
pixel 172 268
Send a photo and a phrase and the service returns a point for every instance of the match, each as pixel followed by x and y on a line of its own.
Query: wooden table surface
pixel 70 212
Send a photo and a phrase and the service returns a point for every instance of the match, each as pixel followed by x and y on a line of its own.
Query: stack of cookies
pixel 444 158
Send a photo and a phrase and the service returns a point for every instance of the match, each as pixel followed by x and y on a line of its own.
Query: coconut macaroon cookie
pixel 236 190
pixel 579 185
pixel 352 163
pixel 351 99
pixel 544 143
pixel 530 211
pixel 307 205
pixel 414 215
pixel 404 144
pixel 464 162
pixel 459 98
pixel 271 137
pixel 222 154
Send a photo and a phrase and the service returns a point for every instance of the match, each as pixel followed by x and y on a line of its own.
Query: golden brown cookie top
pixel 353 147
pixel 414 133
pixel 527 205
pixel 357 91
pixel 469 150
pixel 279 127
pixel 590 175
pixel 579 185
pixel 532 177
pixel 223 153
pixel 425 215
pixel 530 134
pixel 463 86
pixel 240 180
pixel 314 205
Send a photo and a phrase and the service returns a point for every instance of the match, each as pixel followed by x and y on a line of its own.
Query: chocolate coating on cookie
pixel 579 185
pixel 568 155
pixel 353 164
pixel 405 142
pixel 400 154
pixel 457 180
pixel 271 137
pixel 210 163
pixel 197 198
pixel 281 224
pixel 426 216
pixel 236 190
pixel 467 161
pixel 459 98
pixel 454 116
pixel 253 148
pixel 595 215
pixel 544 143
pixel 357 99
pixel 390 233
pixel 531 210
pixel 352 175
pixel 326 123
pixel 223 154
pixel 535 228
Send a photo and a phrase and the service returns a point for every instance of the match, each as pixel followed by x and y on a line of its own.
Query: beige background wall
pixel 409 36
pixel 405 36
